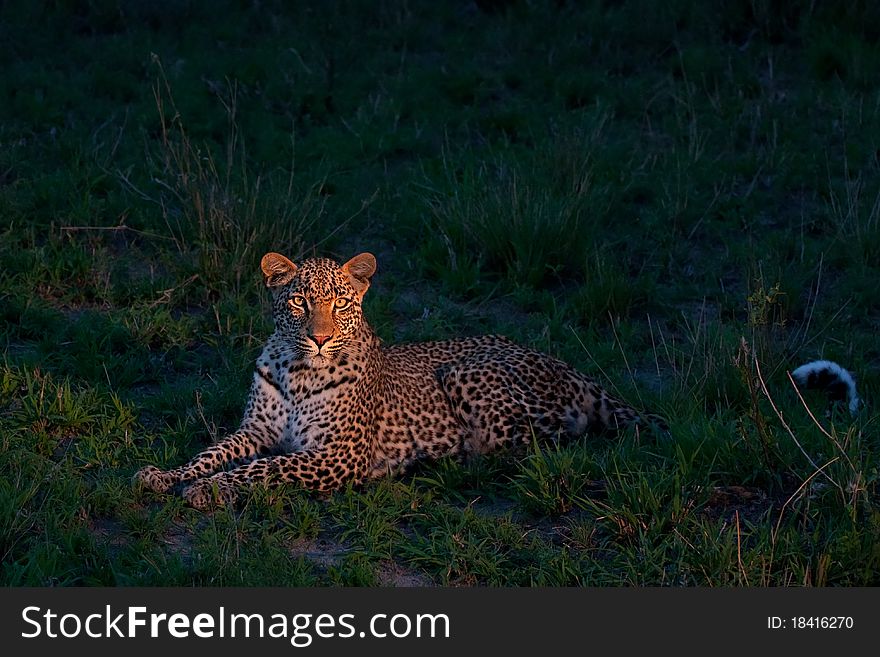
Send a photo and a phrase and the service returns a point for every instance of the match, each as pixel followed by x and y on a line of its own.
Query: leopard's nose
pixel 319 339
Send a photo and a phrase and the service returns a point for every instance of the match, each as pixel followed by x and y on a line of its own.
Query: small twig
pixel 788 429
pixel 701 323
pixel 684 539
pixel 73 229
pixel 365 203
pixel 654 345
pixel 816 422
pixel 815 295
pixel 301 61
pixel 210 426
pixel 793 495
pixel 623 353
pixel 165 295
pixel 739 559
pixel 595 362
pixel 712 204
pixel 123 177
pixel 830 322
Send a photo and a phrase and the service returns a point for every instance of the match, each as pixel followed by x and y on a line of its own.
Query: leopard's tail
pixel 612 415
pixel 838 383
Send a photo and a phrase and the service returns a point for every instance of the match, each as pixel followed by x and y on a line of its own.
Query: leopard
pixel 330 404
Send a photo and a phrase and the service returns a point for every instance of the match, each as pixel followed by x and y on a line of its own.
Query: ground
pixel 681 201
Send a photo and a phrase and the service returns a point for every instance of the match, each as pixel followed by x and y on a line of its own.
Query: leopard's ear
pixel 277 270
pixel 359 270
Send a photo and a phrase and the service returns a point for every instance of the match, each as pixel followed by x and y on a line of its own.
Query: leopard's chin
pixel 319 360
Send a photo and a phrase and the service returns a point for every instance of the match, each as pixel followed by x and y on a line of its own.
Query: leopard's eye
pixel 297 302
pixel 341 303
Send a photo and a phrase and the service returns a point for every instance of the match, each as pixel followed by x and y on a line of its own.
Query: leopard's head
pixel 317 304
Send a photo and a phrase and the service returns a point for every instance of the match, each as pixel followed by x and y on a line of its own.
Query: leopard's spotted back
pixel 329 404
pixel 475 395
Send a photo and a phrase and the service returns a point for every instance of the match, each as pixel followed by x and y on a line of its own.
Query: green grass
pixel 679 200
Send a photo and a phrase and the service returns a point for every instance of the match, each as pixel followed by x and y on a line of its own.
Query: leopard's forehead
pixel 321 279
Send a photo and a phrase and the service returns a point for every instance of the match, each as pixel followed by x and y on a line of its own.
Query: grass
pixel 680 201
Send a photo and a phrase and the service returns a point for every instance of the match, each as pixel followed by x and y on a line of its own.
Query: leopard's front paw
pixel 155 479
pixel 209 492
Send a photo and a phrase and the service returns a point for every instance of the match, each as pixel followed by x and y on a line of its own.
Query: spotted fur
pixel 329 404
